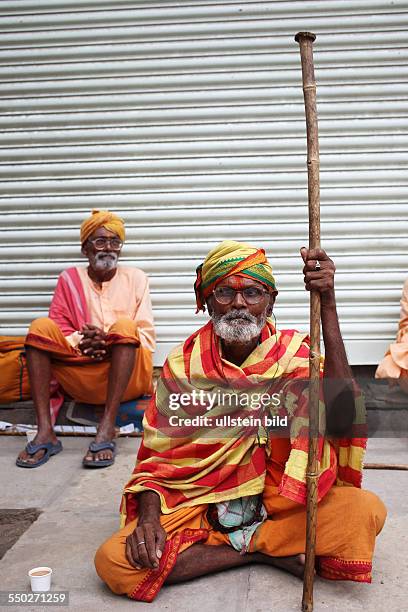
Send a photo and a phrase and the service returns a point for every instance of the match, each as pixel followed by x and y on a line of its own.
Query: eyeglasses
pixel 251 295
pixel 101 243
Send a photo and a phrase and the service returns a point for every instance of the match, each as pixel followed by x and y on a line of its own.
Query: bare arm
pixel 337 373
pixel 144 547
pixel 149 506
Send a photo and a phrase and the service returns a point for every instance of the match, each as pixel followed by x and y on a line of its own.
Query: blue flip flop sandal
pixel 50 450
pixel 95 447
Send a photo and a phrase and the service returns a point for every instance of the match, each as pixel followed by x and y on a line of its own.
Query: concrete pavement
pixel 80 510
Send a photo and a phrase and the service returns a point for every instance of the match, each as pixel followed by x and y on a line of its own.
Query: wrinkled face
pixel 105 259
pixel 239 321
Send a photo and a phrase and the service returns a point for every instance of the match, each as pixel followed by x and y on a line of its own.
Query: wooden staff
pixel 386 466
pixel 305 40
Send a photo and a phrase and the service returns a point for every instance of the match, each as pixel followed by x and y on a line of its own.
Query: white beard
pixel 238 325
pixel 105 261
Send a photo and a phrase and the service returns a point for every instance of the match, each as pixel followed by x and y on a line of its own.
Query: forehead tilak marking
pixel 239 282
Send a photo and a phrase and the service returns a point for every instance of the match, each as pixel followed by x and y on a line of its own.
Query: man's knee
pixel 113 567
pixel 42 326
pixel 106 561
pixel 101 560
pixel 125 327
pixel 378 511
pixel 366 508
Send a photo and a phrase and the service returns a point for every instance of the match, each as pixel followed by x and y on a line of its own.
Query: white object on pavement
pixel 40 578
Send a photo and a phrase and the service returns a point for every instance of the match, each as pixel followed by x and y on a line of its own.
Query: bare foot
pixel 106 433
pixel 294 565
pixel 42 437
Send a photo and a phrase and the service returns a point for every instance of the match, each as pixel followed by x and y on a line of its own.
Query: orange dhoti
pixel 348 521
pixel 81 377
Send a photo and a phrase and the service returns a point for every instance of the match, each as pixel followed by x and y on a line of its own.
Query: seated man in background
pixel 394 366
pixel 97 342
pixel 205 497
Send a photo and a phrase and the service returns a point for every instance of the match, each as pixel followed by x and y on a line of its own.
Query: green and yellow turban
pixel 228 258
pixel 102 218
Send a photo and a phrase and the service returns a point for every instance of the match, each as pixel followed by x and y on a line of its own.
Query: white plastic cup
pixel 40 578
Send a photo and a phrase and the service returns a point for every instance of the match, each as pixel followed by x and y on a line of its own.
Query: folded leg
pixel 348 521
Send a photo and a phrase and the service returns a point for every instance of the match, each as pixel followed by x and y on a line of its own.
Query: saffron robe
pixel 191 468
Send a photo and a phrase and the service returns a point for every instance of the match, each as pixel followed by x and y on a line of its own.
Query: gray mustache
pixel 100 256
pixel 234 315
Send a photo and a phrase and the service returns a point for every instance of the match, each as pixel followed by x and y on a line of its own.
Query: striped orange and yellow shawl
pixel 202 465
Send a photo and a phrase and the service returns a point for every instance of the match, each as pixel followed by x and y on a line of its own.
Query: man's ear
pixel 84 249
pixel 210 305
pixel 272 299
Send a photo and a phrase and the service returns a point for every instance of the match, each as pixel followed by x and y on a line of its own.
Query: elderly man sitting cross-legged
pixel 97 342
pixel 213 489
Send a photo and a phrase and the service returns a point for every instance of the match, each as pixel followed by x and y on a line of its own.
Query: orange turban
pixel 102 218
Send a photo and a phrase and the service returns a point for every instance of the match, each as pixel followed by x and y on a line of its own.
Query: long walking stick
pixel 305 40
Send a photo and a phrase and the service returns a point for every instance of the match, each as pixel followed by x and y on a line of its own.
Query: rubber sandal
pixel 50 450
pixel 95 447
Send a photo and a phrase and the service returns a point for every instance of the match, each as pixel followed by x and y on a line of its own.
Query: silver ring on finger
pixel 317 266
pixel 140 543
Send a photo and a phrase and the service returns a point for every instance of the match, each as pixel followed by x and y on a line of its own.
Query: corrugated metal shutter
pixel 187 118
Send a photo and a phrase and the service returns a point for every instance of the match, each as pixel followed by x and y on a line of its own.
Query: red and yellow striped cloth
pixel 213 464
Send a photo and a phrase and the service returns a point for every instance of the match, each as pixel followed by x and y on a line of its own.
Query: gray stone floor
pixel 80 510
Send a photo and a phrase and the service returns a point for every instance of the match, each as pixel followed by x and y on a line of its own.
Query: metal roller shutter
pixel 187 119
